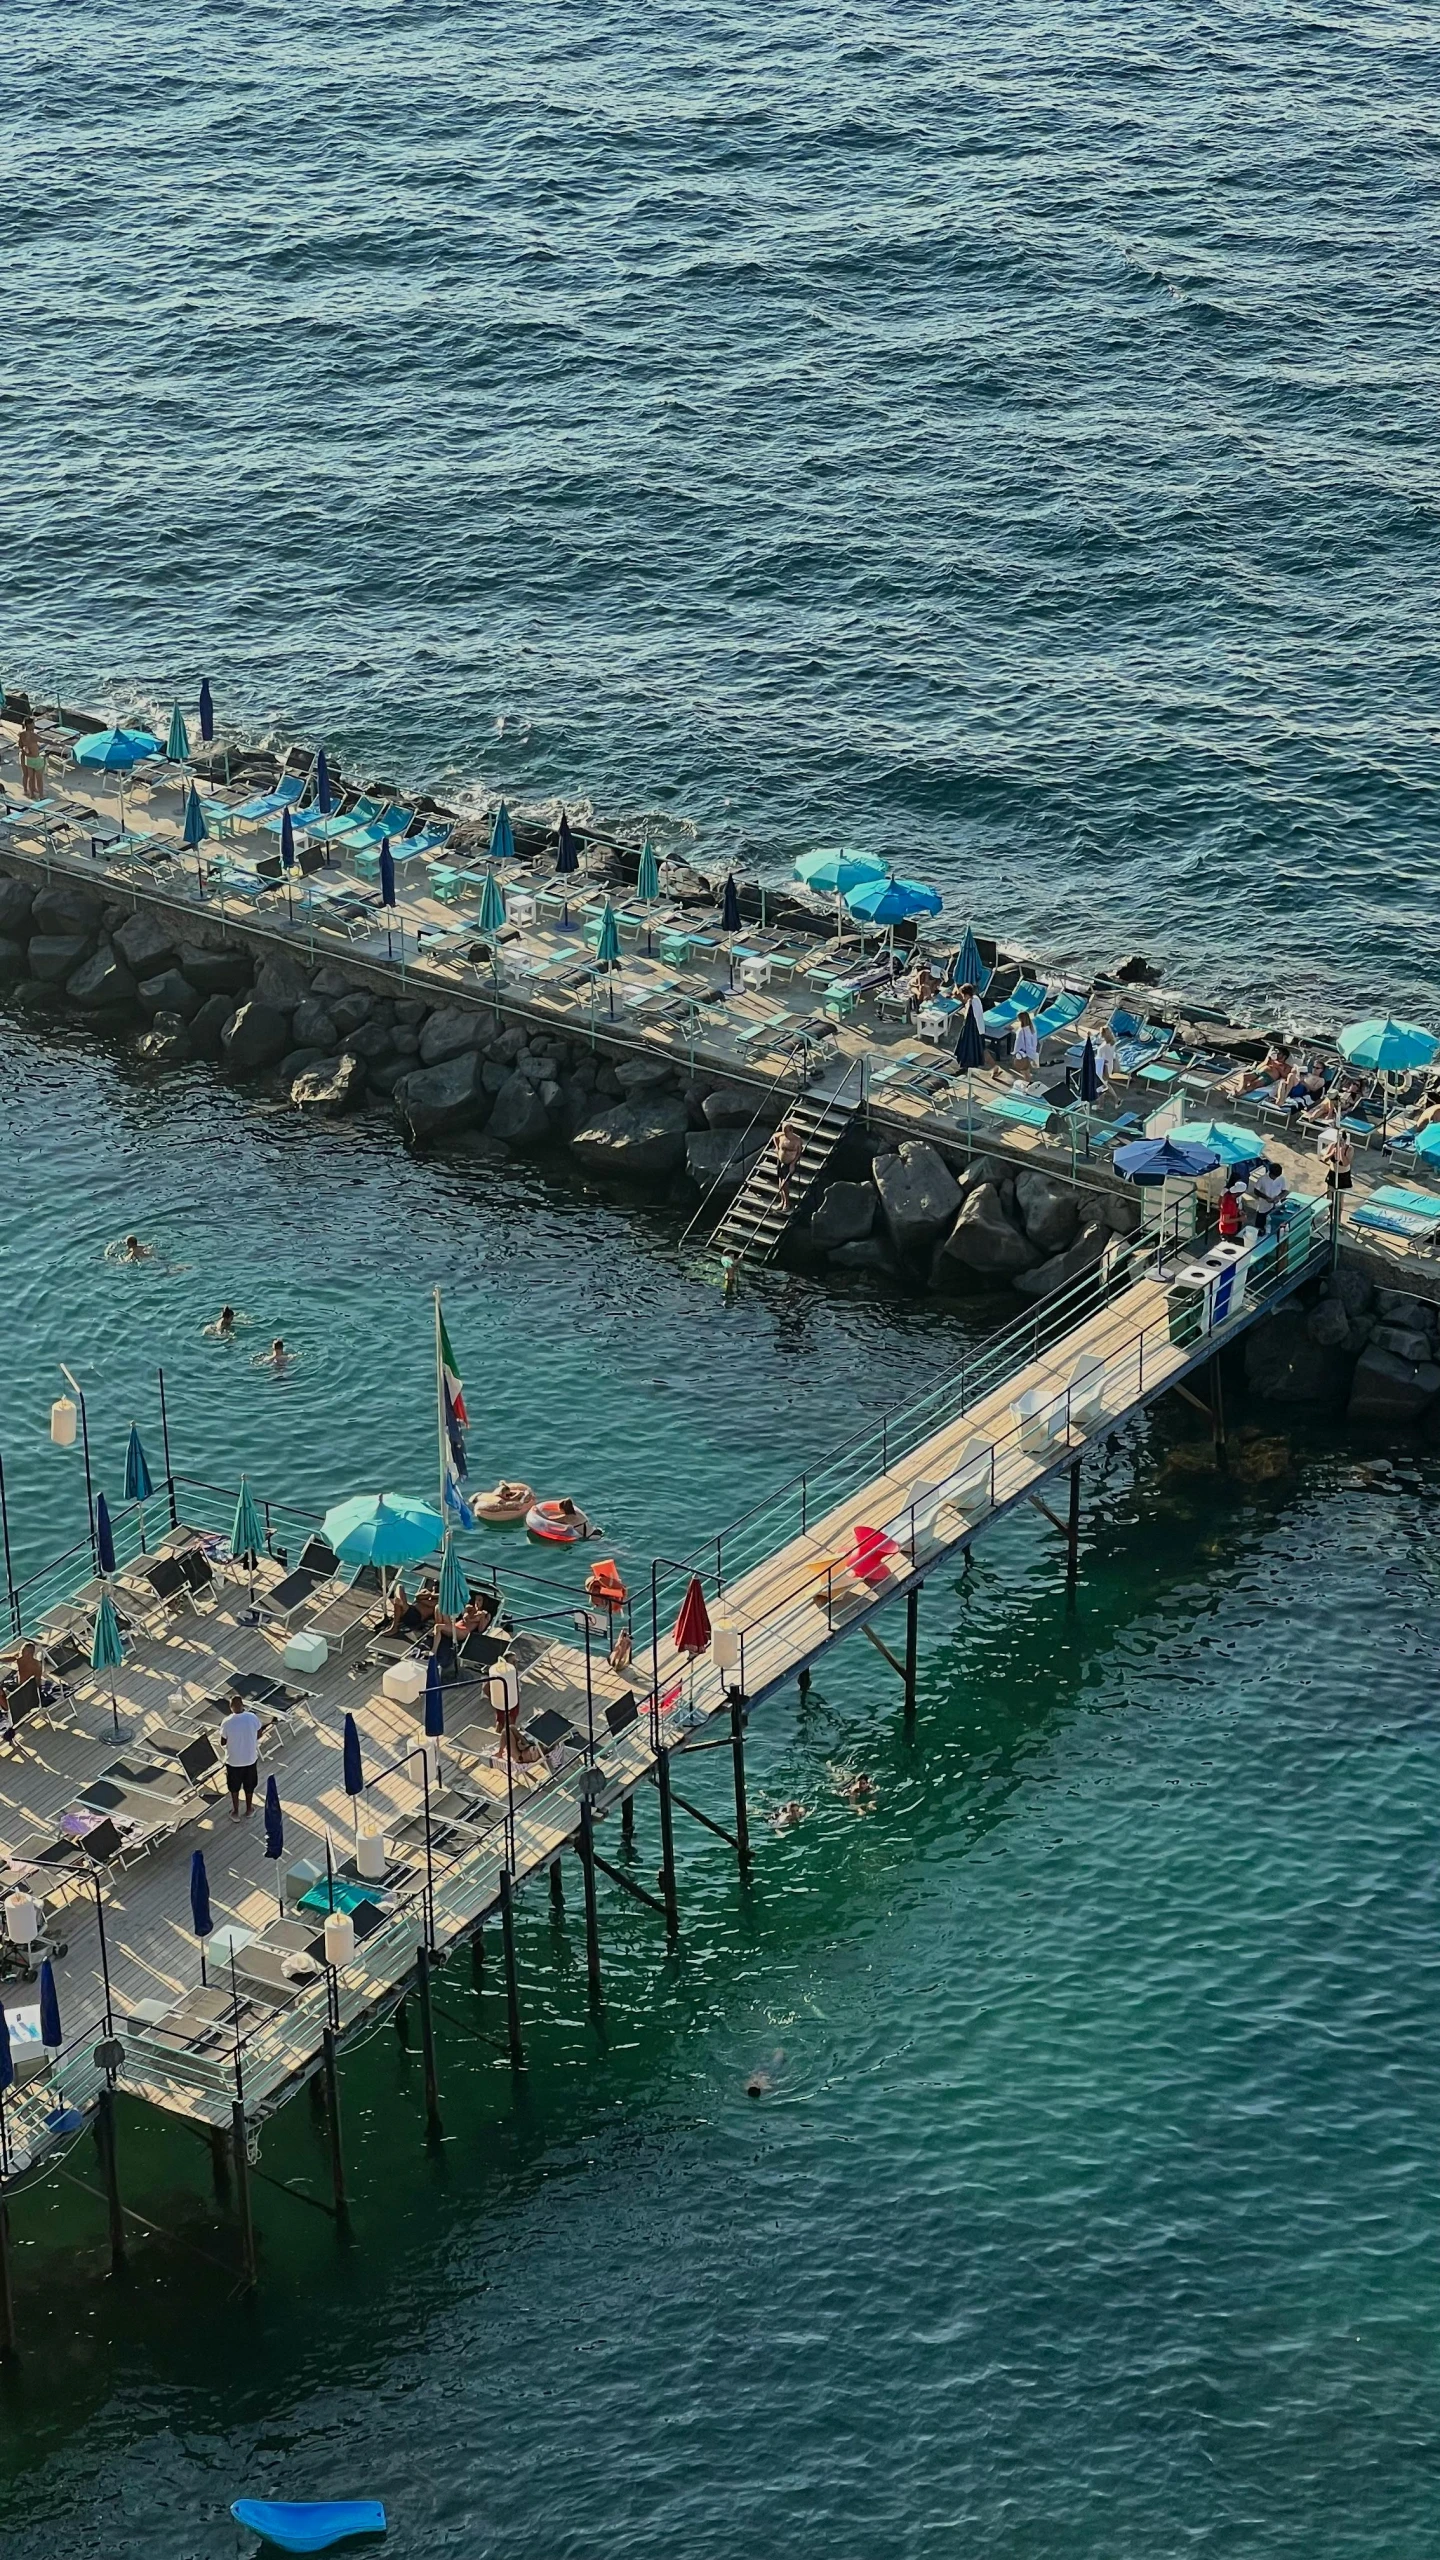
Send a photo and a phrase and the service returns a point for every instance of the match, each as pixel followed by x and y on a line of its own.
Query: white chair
pixel 972 1485
pixel 917 1516
pixel 1038 1415
pixel 1086 1389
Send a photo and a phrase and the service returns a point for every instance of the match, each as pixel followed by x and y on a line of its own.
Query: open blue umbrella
pixel 1383 1044
pixel 502 836
pixel 116 750
pixel 207 711
pixel 967 969
pixel 730 906
pixel 51 2031
pixel 836 868
pixel 454 1589
pixel 1089 1072
pixel 138 1487
pixel 647 880
pixel 434 1699
pixel 274 1829
pixel 323 800
pixel 194 830
pixel 354 1771
pixel 382 1528
pixel 892 901
pixel 567 856
pixel 1150 1160
pixel 492 905
pixel 177 742
pixel 104 1536
pixel 387 873
pixel 200 1916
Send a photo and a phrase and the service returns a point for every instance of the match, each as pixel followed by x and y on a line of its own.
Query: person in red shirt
pixel 1232 1219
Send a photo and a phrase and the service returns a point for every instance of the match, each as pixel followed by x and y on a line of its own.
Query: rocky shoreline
pixel 916 1215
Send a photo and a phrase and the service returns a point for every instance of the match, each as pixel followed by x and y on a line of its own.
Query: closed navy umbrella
pixel 323 800
pixel 274 1829
pixel 104 1535
pixel 200 1917
pixel 434 1699
pixel 1089 1072
pixel 51 2031
pixel 568 856
pixel 7 2058
pixel 970 1047
pixel 354 1771
pixel 207 711
pixel 387 873
pixel 287 840
pixel 730 906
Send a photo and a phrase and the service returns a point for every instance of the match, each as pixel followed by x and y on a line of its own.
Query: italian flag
pixel 454 1391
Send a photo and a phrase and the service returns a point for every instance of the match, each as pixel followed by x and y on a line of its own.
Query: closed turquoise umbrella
pixel 247 1537
pixel 194 831
pixel 492 905
pixel 177 743
pixel 607 949
pixel 454 1589
pixel 107 1653
pixel 138 1487
pixel 502 837
pixel 647 883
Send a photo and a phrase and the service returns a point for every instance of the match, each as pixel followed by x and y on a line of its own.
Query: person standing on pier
pixel 240 1735
pixel 32 760
pixel 789 1148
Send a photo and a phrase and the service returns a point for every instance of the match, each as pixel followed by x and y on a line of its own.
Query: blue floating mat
pixel 309 2524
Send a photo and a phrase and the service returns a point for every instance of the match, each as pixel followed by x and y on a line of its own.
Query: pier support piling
pixel 742 1814
pixel 912 1650
pixel 557 1890
pixel 427 2042
pixel 110 2171
pixel 512 1978
pixel 802 1680
pixel 477 1959
pixel 667 1845
pixel 592 1908
pixel 7 2297
pixel 402 2024
pixel 332 2113
pixel 1072 1536
pixel 241 2157
pixel 220 2163
pixel 1217 1410
pixel 627 1824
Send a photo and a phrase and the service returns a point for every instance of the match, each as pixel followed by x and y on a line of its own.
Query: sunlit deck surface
pixel 757 1008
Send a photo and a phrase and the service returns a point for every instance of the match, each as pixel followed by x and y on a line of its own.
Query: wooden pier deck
pixel 785 1583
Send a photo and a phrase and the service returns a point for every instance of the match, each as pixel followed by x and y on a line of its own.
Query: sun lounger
pixel 1395 1222
pixel 1020 1107
pixel 1028 997
pixel 265 804
pixel 1059 1015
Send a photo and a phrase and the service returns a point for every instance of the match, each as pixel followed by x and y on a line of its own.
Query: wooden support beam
pixel 1191 1398
pixel 1072 1536
pixel 897 1667
pixel 1046 1513
pixel 557 1890
pixel 706 1819
pixel 627 1823
pixel 7 2296
pixel 628 1885
pixel 912 1649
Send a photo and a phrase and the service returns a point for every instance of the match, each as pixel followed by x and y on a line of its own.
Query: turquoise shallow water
pixel 1089 2204
pixel 1007 439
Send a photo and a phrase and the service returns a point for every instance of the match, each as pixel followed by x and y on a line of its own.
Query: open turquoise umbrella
pixel 502 838
pixel 1427 1145
pixel 115 750
pixel 382 1528
pixel 492 905
pixel 454 1589
pixel 177 743
pixel 838 867
pixel 647 880
pixel 1224 1138
pixel 1387 1045
pixel 892 901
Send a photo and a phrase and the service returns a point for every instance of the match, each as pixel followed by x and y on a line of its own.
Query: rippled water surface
pixel 1007 438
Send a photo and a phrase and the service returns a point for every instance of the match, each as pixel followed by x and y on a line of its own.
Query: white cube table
pixel 306 1651
pixel 404 1682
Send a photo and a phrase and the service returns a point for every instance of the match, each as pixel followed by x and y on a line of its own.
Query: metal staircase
pixel 752 1226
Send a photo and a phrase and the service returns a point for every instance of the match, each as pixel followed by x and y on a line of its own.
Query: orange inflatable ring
pixel 560 1524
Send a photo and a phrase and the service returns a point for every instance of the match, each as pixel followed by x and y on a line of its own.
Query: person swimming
pixel 276 1358
pixel 223 1327
pixel 130 1249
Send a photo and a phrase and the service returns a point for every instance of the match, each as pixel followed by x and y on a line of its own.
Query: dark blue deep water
pixel 1008 437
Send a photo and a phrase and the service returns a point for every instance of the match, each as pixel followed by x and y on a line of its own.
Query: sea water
pixel 1004 440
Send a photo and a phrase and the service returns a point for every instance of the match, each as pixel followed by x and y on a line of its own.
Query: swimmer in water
pixel 224 1324
pixel 788 1816
pixel 276 1358
pixel 859 1791
pixel 133 1250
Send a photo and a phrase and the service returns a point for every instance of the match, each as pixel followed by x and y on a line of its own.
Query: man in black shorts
pixel 240 1734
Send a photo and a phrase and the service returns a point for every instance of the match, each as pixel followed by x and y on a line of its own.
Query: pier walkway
pixel 108 1787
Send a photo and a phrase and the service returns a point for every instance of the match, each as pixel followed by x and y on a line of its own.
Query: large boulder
pixel 373 1039
pixel 256 1035
pixel 451 1095
pixel 1397 1306
pixel 918 1193
pixel 1328 1324
pixel 1389 1392
pixel 61 908
pixel 145 943
pixel 732 1108
pixel 167 1042
pixel 17 898
pixel 983 1169
pixel 333 983
pixel 643 1075
pixel 862 1253
pixel 641 1138
pixel 844 1214
pixel 215 973
pixel 1412 1343
pixel 332 1086
pixel 207 1023
pixel 54 957
pixel 102 984
pixel 313 1026
pixel 281 983
pixel 12 959
pixel 1284 1366
pixel 297 1063
pixel 982 1244
pixel 1049 1211
pixel 1062 1268
pixel 1350 1287
pixel 718 1161
pixel 518 1114
pixel 450 1031
pixel 167 993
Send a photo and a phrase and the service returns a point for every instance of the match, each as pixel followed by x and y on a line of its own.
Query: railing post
pixel 241 2156
pixel 7 2296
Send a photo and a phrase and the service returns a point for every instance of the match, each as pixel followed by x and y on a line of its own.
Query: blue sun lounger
pixel 1027 998
pixel 1059 1014
pixel 284 796
pixel 308 2524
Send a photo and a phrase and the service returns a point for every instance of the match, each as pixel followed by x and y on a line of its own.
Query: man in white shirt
pixel 1268 1188
pixel 240 1734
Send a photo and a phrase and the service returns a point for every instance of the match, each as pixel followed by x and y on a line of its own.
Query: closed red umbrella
pixel 692 1627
